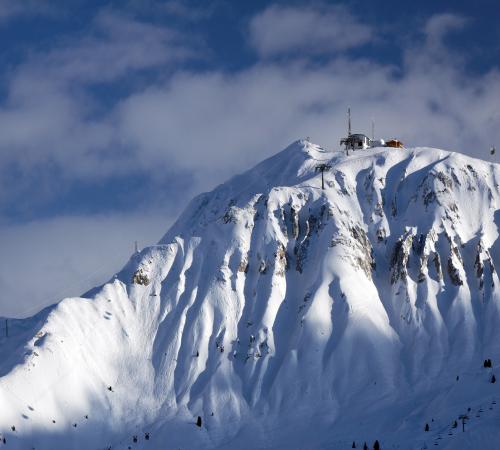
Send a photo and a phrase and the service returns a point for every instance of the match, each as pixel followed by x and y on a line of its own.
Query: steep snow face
pixel 281 313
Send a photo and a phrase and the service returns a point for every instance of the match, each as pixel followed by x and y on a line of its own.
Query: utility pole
pixel 463 418
pixel 322 168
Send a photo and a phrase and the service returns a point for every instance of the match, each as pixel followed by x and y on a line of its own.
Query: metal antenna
pixel 136 248
pixel 373 130
pixel 349 121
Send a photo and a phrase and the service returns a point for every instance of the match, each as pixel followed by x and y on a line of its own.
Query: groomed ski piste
pixel 284 316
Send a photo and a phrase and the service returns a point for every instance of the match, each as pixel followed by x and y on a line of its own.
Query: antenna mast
pixel 349 121
pixel 373 130
pixel 136 248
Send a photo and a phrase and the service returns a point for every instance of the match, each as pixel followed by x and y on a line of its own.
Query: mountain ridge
pixel 276 305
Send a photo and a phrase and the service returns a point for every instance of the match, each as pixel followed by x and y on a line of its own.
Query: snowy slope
pixel 285 316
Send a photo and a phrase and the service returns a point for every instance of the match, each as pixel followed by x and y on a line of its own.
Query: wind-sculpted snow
pixel 284 316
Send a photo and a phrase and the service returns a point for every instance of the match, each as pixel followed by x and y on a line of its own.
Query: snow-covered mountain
pixel 284 315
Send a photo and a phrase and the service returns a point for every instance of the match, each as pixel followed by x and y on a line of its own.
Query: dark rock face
pixel 400 258
pixel 140 277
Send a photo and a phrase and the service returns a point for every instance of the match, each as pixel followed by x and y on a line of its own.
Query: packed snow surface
pixel 283 315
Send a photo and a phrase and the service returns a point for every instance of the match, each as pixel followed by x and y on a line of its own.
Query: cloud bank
pixel 128 100
pixel 318 29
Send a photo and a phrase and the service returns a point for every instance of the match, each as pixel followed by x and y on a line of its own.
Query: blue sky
pixel 114 114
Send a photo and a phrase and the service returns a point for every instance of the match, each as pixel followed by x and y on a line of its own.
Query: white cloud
pixel 210 124
pixel 51 117
pixel 115 46
pixel 217 124
pixel 439 25
pixel 15 8
pixel 280 30
pixel 432 52
pixel 180 9
pixel 46 260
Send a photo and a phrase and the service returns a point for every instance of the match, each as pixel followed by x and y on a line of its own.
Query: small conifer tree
pixel 376 445
pixel 353 444
pixel 198 421
pixel 426 427
pixel 493 378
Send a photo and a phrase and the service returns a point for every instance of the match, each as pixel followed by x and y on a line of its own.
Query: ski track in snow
pixel 285 316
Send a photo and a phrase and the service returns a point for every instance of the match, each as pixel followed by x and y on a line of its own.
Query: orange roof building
pixel 394 143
